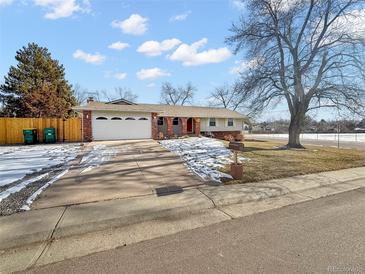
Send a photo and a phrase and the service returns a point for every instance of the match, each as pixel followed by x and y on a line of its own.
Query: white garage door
pixel 121 128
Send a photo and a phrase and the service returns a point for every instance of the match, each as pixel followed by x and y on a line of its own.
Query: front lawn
pixel 268 161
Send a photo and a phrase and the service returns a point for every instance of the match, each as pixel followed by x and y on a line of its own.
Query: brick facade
pixel 87 126
pixel 183 122
pixel 154 126
pixel 169 126
pixel 224 134
pixel 196 125
pixel 184 126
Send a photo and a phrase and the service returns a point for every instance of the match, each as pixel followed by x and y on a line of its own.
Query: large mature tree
pixel 36 86
pixel 171 95
pixel 309 53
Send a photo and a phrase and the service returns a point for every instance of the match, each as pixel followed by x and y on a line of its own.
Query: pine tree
pixel 36 86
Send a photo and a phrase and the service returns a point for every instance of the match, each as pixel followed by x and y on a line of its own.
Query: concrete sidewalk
pixel 48 235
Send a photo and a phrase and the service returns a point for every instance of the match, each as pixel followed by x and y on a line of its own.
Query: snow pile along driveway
pixel 18 161
pixel 98 154
pixel 203 156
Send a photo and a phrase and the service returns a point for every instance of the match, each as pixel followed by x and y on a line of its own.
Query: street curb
pixel 68 221
pixel 124 212
pixel 244 193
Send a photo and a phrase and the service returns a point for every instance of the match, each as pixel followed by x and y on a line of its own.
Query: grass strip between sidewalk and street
pixel 267 160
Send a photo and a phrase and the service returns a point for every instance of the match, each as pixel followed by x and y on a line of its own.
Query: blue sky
pixel 134 44
pixel 80 38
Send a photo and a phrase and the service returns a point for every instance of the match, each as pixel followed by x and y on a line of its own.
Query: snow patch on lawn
pixel 18 161
pixel 203 156
pixel 99 154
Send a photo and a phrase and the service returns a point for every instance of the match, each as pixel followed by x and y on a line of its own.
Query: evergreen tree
pixel 36 86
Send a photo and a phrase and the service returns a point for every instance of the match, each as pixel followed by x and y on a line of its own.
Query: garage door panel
pixel 121 129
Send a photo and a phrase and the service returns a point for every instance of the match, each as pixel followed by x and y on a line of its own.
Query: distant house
pixel 121 119
pixel 359 130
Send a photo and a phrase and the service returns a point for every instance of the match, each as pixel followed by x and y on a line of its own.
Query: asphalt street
pixel 321 236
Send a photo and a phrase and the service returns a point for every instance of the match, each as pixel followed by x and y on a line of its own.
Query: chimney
pixel 90 99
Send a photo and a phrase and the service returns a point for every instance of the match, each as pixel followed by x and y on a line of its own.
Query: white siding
pixel 221 125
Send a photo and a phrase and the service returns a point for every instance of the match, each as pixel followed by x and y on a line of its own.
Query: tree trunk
pixel 295 129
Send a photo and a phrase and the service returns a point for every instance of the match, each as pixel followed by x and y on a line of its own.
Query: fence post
pixel 338 135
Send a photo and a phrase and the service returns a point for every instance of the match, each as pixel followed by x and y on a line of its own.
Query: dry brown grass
pixel 268 161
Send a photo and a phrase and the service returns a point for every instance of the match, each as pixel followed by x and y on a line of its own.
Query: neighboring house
pixel 121 119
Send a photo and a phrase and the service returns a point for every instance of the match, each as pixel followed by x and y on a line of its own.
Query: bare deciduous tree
pixel 119 93
pixel 309 53
pixel 223 96
pixel 177 96
pixel 125 93
pixel 230 96
pixel 80 94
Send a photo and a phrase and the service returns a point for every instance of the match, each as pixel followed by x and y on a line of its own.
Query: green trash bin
pixel 50 135
pixel 30 136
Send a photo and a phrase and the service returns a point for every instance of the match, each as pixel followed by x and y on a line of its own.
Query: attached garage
pixel 123 120
pixel 121 125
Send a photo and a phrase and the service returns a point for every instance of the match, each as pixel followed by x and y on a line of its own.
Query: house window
pixel 130 118
pixel 175 122
pixel 116 118
pixel 212 122
pixel 101 118
pixel 143 118
pixel 160 121
pixel 230 122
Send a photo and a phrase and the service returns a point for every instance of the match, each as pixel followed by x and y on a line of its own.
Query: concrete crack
pixel 214 204
pixel 49 241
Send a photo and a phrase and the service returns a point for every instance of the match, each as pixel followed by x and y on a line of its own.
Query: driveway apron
pixel 138 168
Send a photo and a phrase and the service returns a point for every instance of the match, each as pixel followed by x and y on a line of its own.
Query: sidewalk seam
pixel 141 171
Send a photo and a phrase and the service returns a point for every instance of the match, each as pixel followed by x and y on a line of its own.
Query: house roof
pixel 121 101
pixel 165 110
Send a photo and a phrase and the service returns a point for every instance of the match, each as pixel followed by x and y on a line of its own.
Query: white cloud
pixel 242 65
pixel 4 3
pixel 180 17
pixel 154 48
pixel 63 8
pixel 135 24
pixel 120 75
pixel 152 73
pixel 115 74
pixel 151 85
pixel 118 45
pixel 238 4
pixel 352 23
pixel 96 58
pixel 285 5
pixel 189 55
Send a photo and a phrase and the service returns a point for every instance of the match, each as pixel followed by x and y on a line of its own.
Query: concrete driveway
pixel 138 168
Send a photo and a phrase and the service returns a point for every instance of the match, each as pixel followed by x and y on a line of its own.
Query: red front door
pixel 189 126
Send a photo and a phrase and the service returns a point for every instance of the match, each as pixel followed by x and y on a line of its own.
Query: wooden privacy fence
pixel 11 129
